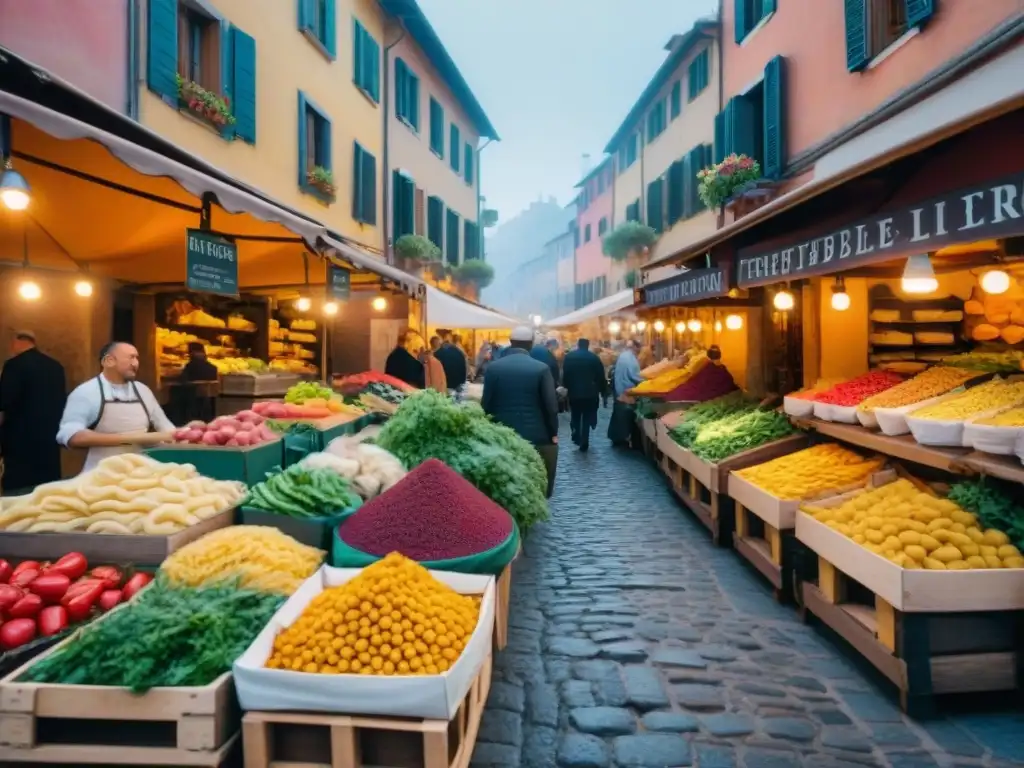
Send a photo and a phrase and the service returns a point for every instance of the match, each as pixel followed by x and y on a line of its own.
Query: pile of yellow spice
pixel 394 618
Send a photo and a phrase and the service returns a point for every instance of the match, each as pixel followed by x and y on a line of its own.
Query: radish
pixel 228 431
pixel 194 435
pixel 243 439
pixel 210 438
pixel 249 416
pixel 196 425
pixel 180 435
pixel 233 442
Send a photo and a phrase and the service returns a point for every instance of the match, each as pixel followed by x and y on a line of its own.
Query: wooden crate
pixel 247 464
pixel 929 632
pixel 305 740
pixel 99 725
pixel 107 548
pixel 502 598
pixel 263 385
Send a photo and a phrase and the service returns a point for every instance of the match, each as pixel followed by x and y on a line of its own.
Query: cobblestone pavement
pixel 634 642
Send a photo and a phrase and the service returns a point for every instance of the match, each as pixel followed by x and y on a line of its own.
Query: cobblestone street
pixel 634 642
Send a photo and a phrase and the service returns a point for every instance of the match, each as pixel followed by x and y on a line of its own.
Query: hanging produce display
pixel 127 494
pixel 303 493
pixel 915 529
pixel 810 472
pixel 167 636
pixel 733 434
pixel 491 456
pixel 400 621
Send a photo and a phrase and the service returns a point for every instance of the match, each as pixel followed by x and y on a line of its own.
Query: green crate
pixel 316 531
pixel 249 464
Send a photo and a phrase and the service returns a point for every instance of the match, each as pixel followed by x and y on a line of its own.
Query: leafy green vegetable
pixel 994 507
pixel 491 456
pixel 686 431
pixel 167 636
pixel 301 492
pixel 739 432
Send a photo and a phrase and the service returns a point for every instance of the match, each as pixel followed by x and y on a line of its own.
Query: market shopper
pixel 198 368
pixel 584 378
pixel 520 393
pixel 403 364
pixel 32 395
pixel 625 376
pixel 453 359
pixel 545 352
pixel 433 368
pixel 113 413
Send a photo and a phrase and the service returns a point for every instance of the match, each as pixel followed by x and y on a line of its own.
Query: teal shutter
pixel 468 165
pixel 745 138
pixel 689 185
pixel 676 186
pixel 677 99
pixel 695 163
pixel 325 144
pixel 371 65
pixel 741 20
pixel 306 14
pixel 401 89
pixel 244 87
pixel 357 181
pixel 330 40
pixel 719 150
pixel 857 53
pixel 303 139
pixel 404 199
pixel 452 238
pixel 456 145
pixel 768 6
pixel 368 188
pixel 358 56
pixel 162 49
pixel 919 12
pixel 227 75
pixel 435 221
pixel 413 98
pixel 774 119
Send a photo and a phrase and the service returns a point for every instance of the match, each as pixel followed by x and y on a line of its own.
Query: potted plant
pixel 475 272
pixel 631 242
pixel 631 278
pixel 727 180
pixel 416 251
pixel 322 180
pixel 204 103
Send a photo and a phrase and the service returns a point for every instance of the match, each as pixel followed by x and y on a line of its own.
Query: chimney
pixel 584 165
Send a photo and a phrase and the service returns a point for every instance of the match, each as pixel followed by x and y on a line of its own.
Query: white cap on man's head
pixel 522 333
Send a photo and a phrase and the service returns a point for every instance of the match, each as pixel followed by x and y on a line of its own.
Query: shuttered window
pixel 452 238
pixel 407 95
pixel 435 221
pixel 676 191
pixel 698 74
pixel 436 127
pixel 471 238
pixel 467 166
pixel 455 147
pixel 676 99
pixel 874 25
pixel 314 150
pixel 365 61
pixel 656 205
pixel 403 197
pixel 633 211
pixel 655 121
pixel 602 226
pixel 318 20
pixel 586 234
pixel 364 186
pixel 774 121
pixel 750 13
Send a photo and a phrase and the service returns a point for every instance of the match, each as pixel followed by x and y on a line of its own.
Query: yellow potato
pixel 931 564
pixel 947 554
pixel 916 552
pixel 957 565
pixel 1008 550
pixel 929 542
pixel 976 561
pixel 1013 562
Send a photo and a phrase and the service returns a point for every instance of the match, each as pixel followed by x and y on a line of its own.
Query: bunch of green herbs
pixel 994 506
pixel 740 432
pixel 304 493
pixel 696 417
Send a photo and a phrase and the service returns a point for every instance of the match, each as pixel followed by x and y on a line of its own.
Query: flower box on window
pixel 204 104
pixel 736 178
pixel 321 180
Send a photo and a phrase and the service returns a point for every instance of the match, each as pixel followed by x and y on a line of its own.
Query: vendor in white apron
pixel 113 413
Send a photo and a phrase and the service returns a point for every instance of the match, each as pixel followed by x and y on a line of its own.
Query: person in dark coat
pixel 545 353
pixel 198 368
pixel 583 376
pixel 32 396
pixel 453 360
pixel 404 365
pixel 520 393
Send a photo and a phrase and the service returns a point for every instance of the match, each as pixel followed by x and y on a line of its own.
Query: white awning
pixel 362 260
pixel 447 311
pixel 606 306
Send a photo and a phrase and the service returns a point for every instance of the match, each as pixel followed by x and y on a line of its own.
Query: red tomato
pixel 26 608
pixel 73 565
pixel 26 565
pixel 135 583
pixel 109 574
pixel 5 571
pixel 16 633
pixel 52 619
pixel 9 595
pixel 79 587
pixel 50 586
pixel 109 598
pixel 80 604
pixel 24 578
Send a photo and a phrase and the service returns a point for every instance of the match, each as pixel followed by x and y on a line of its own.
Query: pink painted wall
pixel 590 262
pixel 82 41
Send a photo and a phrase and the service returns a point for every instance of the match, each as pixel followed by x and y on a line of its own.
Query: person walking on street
pixel 584 378
pixel 519 392
pixel 434 369
pixel 625 376
pixel 403 364
pixel 453 360
pixel 32 395
pixel 544 351
pixel 113 414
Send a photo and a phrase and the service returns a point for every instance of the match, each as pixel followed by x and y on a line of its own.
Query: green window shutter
pixel 403 192
pixel 768 6
pixel 368 188
pixel 919 12
pixel 401 89
pixel 774 118
pixel 676 186
pixel 162 48
pixel 471 236
pixel 689 185
pixel 719 147
pixel 468 165
pixel 695 163
pixel 331 28
pixel 413 98
pixel 857 52
pixel 303 139
pixel 305 14
pixel 374 66
pixel 456 145
pixel 452 238
pixel 436 127
pixel 227 75
pixel 357 53
pixel 745 138
pixel 243 107
pixel 677 99
pixel 740 19
pixel 357 181
pixel 435 221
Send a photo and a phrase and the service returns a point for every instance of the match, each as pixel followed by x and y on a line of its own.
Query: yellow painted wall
pixel 844 335
pixel 286 62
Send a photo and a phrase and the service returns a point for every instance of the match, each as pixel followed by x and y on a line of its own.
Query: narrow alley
pixel 634 642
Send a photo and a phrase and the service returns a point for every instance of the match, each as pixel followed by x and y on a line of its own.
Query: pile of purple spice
pixel 433 513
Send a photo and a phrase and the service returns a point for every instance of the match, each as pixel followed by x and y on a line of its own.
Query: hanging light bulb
pixel 331 308
pixel 733 322
pixel 783 301
pixel 614 326
pixel 83 288
pixel 632 328
pixel 680 326
pixel 30 290
pixel 303 304
pixel 659 326
pixel 840 298
pixel 995 282
pixel 641 325
pixel 918 275
pixel 379 304
pixel 718 326
pixel 14 190
pixel 694 325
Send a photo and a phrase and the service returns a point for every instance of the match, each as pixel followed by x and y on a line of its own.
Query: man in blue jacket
pixel 519 392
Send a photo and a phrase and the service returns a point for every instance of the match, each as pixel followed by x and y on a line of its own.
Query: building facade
pixel 89 44
pixel 593 221
pixel 666 138
pixel 432 138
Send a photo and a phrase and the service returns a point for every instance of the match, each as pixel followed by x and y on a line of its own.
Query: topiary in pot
pixel 417 250
pixel 631 279
pixel 630 239
pixel 475 271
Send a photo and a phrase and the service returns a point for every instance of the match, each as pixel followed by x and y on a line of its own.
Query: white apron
pixel 118 417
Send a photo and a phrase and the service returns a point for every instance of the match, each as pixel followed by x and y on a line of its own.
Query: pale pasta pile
pixel 260 557
pixel 129 494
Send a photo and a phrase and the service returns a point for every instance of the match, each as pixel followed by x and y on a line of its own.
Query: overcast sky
pixel 556 78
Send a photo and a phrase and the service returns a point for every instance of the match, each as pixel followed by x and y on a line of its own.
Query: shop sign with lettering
pixel 211 263
pixel 983 212
pixel 339 282
pixel 688 287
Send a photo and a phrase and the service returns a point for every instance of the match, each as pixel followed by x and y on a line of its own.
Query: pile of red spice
pixel 711 381
pixel 433 513
pixel 855 391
